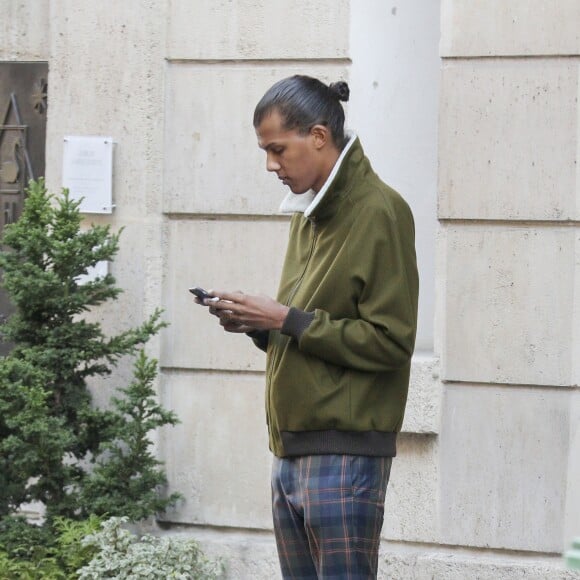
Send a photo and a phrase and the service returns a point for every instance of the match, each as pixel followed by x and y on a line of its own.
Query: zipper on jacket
pixel 287 303
pixel 299 281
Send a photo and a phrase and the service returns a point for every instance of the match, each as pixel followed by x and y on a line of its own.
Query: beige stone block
pixel 263 29
pixel 217 457
pixel 411 503
pixel 504 457
pixel 24 30
pixel 137 269
pixel 508 140
pixel 222 254
pixel 422 414
pixel 572 522
pixel 517 27
pixel 574 314
pixel 246 554
pixel 461 564
pixel 509 299
pixel 440 289
pixel 106 78
pixel 212 160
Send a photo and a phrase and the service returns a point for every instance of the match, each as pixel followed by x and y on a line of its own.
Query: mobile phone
pixel 201 293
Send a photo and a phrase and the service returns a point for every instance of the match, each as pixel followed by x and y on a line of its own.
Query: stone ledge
pixel 448 566
pixel 252 556
pixel 424 402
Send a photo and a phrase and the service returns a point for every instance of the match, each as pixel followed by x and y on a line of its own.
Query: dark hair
pixel 303 102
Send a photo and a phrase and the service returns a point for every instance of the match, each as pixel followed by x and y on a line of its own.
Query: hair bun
pixel 340 90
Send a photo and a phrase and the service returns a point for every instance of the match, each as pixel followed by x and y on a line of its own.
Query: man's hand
pixel 222 315
pixel 239 312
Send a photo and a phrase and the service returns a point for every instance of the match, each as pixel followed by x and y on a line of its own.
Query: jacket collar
pixel 308 202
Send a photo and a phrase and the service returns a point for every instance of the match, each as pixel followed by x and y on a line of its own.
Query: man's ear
pixel 321 136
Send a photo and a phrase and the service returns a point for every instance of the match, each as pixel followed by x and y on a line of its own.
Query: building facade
pixel 470 110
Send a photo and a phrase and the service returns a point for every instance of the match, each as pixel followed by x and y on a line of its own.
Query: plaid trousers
pixel 328 514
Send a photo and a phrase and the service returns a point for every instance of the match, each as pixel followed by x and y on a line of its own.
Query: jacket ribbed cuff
pixel 260 338
pixel 296 322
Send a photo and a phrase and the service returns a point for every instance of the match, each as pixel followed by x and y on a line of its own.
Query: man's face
pixel 294 158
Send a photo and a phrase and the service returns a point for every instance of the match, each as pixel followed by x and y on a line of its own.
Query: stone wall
pixel 508 185
pixel 24 30
pixel 485 484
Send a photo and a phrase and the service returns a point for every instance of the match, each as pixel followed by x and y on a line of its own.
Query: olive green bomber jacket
pixel 338 371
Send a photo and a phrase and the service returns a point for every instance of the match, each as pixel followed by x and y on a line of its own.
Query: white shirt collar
pixel 307 202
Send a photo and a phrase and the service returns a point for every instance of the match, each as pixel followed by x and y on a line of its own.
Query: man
pixel 339 338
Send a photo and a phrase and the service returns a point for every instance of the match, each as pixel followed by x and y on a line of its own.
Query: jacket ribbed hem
pixel 296 322
pixel 371 443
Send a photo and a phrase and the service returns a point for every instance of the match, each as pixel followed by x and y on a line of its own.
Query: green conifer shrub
pixel 127 475
pixel 33 439
pixel 55 445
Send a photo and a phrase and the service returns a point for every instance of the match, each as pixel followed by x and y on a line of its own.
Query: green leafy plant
pixel 44 569
pixel 124 556
pixel 35 552
pixel 70 550
pixel 51 435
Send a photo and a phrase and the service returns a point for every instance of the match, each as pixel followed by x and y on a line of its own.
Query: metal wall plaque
pixel 87 172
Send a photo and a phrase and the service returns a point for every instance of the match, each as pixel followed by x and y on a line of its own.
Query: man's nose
pixel 271 163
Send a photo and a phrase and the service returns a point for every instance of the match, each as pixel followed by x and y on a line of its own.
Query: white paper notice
pixel 87 172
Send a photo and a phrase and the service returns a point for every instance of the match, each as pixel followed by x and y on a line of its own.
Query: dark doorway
pixel 23 103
